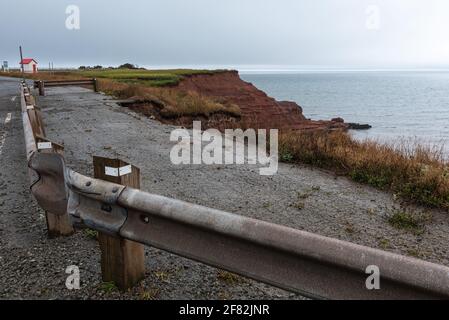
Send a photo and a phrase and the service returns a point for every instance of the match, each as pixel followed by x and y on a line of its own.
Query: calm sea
pixel 407 105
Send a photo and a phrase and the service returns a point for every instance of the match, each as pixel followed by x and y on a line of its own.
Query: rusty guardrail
pixel 302 262
pixel 45 167
pixel 42 84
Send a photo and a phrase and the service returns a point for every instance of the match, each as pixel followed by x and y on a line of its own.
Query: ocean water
pixel 405 106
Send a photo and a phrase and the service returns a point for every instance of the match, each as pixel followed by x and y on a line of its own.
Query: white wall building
pixel 29 65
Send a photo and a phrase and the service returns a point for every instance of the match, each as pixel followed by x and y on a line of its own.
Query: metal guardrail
pixel 42 84
pixel 302 262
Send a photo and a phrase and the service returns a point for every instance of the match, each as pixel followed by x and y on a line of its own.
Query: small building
pixel 29 65
pixel 5 67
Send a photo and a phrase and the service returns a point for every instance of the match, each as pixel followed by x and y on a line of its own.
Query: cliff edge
pixel 257 108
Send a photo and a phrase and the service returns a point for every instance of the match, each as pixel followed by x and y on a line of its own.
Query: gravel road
pixel 93 124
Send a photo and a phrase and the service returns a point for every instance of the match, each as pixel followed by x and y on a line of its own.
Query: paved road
pixel 92 124
pixel 16 205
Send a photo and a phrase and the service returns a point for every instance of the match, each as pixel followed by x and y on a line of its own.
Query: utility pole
pixel 21 63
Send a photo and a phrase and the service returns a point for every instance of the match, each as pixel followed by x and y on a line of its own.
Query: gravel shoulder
pixel 297 196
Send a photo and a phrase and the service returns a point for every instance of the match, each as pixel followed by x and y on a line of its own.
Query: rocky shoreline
pixel 258 109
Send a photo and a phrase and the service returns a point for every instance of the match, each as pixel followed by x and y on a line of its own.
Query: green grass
pixel 91 233
pixel 154 78
pixel 408 221
pixel 286 156
pixel 151 78
pixel 108 287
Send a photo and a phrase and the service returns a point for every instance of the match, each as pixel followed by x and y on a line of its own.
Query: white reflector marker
pixel 125 170
pixel 112 172
pixel 44 145
pixel 118 172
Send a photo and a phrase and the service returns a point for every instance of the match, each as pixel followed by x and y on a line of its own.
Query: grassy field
pixel 154 78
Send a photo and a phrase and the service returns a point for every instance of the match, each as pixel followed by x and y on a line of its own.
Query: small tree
pixel 98 67
pixel 128 66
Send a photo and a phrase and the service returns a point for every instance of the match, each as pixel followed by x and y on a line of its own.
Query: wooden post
pixel 95 84
pixel 58 225
pixel 41 88
pixel 122 261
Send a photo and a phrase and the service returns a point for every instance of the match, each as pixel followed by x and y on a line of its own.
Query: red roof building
pixel 29 65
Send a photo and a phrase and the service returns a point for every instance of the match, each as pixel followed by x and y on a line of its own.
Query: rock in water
pixel 358 126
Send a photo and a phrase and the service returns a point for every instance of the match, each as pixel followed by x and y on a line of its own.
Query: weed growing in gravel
pixel 408 221
pixel 308 192
pixel 267 205
pixel 349 227
pixel 91 233
pixel 384 244
pixel 298 205
pixel 108 287
pixel 228 277
pixel 414 253
pixel 150 294
pixel 286 156
pixel 162 275
pixel 304 195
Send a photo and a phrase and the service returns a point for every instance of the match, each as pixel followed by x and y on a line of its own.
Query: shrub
pixel 413 171
pixel 128 66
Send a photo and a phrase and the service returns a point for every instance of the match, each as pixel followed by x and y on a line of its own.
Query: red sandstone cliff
pixel 258 109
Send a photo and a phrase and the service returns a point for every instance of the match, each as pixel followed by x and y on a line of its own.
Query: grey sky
pixel 229 33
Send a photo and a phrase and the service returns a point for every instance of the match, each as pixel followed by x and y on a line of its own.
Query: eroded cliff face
pixel 258 109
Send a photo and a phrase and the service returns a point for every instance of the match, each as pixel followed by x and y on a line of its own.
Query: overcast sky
pixel 230 33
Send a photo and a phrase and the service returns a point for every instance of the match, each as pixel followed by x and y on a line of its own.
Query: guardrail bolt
pixel 122 261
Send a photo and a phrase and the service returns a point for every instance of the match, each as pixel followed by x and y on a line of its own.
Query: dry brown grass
pixel 412 171
pixel 228 277
pixel 44 75
pixel 175 103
